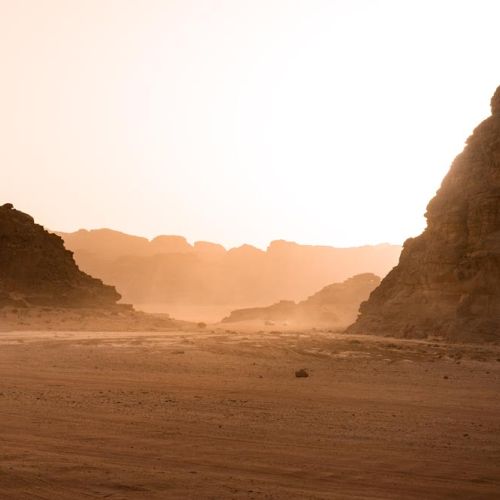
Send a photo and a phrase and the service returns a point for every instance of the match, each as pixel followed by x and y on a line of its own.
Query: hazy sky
pixel 318 121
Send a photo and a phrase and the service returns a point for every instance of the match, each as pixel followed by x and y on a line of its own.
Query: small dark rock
pixel 302 373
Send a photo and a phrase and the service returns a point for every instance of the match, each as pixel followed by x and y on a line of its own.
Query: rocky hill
pixel 36 269
pixel 334 305
pixel 447 281
pixel 168 270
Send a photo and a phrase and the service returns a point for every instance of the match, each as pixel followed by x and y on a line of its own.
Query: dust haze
pixel 173 367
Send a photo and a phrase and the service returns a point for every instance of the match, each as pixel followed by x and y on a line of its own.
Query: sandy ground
pixel 220 414
pixel 112 319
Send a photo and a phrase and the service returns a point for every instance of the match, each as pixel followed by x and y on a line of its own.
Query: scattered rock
pixel 302 373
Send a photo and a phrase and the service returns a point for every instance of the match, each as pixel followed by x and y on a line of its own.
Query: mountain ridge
pixel 174 271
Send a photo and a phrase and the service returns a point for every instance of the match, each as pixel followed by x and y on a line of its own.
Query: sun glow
pixel 237 121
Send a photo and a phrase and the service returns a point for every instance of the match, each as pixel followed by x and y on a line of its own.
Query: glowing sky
pixel 318 121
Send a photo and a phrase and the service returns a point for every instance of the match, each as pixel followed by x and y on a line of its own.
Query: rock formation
pixel 447 281
pixel 36 269
pixel 207 275
pixel 334 305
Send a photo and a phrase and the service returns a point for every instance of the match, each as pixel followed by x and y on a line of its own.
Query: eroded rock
pixel 36 269
pixel 447 281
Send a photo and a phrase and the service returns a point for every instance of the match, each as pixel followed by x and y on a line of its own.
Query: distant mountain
pixel 168 270
pixel 36 269
pixel 334 305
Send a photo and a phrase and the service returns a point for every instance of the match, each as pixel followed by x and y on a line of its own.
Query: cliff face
pixel 447 281
pixel 36 269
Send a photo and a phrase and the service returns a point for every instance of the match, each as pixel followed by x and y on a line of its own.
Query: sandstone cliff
pixel 447 281
pixel 36 269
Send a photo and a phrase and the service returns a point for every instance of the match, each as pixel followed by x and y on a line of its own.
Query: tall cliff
pixel 447 281
pixel 36 269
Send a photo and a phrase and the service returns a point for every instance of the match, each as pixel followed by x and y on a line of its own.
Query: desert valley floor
pixel 219 414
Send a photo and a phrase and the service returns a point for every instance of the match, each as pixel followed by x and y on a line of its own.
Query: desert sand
pixel 219 414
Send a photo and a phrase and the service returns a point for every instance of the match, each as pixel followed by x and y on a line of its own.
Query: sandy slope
pixel 221 415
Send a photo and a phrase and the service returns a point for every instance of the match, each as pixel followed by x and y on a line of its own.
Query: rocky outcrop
pixel 447 281
pixel 36 269
pixel 339 302
pixel 334 305
pixel 283 310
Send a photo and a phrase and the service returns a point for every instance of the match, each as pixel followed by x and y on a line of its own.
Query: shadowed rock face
pixel 36 269
pixel 447 281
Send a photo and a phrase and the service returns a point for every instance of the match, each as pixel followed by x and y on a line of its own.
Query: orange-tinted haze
pixel 325 122
pixel 167 272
